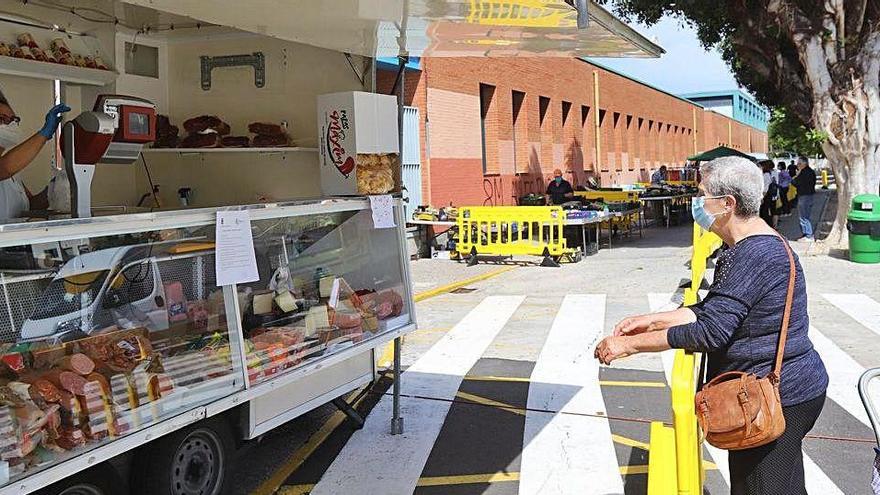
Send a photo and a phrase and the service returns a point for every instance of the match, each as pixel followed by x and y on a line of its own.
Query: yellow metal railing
pixel 512 230
pixel 675 462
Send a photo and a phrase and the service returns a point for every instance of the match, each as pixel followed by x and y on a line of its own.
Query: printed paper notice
pixel 383 211
pixel 235 261
pixel 334 294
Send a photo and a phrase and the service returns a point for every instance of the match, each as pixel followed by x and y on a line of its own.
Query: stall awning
pixel 428 28
pixel 718 153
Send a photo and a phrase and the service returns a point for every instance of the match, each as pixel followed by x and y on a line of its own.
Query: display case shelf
pixel 286 149
pixel 47 70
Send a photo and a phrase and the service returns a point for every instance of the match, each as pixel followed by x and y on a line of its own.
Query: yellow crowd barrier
pixel 522 13
pixel 678 467
pixel 513 230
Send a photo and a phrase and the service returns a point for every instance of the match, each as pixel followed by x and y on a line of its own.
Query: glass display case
pixel 109 326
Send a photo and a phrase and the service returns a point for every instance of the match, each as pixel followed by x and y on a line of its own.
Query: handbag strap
pixel 786 314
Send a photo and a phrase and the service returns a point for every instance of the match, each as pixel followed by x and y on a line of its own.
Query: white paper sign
pixel 235 261
pixel 383 211
pixel 334 294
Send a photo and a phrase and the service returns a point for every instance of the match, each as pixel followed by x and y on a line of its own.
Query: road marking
pixel 859 307
pixel 604 383
pixel 843 375
pixel 272 484
pixel 816 480
pixel 373 460
pixel 492 403
pixel 563 453
pixel 629 442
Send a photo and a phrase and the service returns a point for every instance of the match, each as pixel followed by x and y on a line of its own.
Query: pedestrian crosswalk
pixel 568 442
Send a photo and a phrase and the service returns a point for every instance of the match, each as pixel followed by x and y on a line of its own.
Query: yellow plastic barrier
pixel 686 461
pixel 513 230
pixel 522 13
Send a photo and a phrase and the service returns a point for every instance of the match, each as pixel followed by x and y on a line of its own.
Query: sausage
pixel 105 385
pixel 58 45
pixel 67 380
pixel 78 363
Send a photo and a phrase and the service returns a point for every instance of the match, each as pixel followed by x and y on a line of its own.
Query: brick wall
pixel 640 128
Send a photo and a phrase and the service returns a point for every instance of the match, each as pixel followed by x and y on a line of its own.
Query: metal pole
pixel 396 420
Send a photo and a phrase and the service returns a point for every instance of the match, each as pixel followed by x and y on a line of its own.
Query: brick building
pixel 493 130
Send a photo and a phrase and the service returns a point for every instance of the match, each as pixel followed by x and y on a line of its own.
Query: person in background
pixel 16 154
pixel 792 169
pixel 805 183
pixel 768 209
pixel 659 176
pixel 784 181
pixel 737 325
pixel 559 190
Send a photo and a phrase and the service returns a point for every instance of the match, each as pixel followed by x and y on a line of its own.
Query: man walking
pixel 805 183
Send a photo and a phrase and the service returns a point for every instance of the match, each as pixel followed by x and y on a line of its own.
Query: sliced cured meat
pixel 78 363
pixel 67 380
pixel 266 129
pixel 44 390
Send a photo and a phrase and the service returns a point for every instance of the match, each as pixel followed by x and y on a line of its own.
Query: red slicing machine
pixel 114 132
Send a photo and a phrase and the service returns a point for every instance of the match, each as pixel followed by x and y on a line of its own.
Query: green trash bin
pixel 863 223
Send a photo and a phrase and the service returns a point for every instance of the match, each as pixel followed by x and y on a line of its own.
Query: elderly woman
pixel 738 323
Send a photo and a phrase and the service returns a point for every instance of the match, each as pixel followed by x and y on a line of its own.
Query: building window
pixel 487 93
pixel 566 108
pixel 543 106
pixel 517 98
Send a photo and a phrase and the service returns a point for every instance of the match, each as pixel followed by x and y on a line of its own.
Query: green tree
pixel 787 133
pixel 820 59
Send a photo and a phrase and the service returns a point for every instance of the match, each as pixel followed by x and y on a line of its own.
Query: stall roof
pixel 435 28
pixel 719 152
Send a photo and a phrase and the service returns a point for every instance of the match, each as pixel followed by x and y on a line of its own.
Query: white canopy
pixel 426 28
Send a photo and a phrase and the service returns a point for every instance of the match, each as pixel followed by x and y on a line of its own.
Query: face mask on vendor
pixel 558 180
pixel 10 135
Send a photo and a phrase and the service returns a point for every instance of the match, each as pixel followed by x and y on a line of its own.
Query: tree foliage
pixel 757 38
pixel 788 133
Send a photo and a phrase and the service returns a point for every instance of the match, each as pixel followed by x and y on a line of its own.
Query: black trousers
pixel 778 467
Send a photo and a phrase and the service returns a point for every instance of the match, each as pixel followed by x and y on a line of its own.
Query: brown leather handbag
pixel 738 410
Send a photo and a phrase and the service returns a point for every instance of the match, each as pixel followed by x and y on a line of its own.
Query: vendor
pixel 659 177
pixel 559 190
pixel 16 154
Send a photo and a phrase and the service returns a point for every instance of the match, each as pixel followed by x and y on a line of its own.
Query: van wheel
pixel 192 461
pixel 99 480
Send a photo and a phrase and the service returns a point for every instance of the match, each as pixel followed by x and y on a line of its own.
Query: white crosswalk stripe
pixel 859 307
pixel 564 452
pixel 374 461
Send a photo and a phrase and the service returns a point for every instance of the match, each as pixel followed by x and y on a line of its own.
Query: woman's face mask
pixel 10 136
pixel 703 217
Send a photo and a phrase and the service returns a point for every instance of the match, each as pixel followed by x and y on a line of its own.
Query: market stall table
pixel 426 233
pixel 666 203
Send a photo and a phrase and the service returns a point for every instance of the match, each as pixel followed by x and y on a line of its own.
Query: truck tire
pixel 193 461
pixel 99 480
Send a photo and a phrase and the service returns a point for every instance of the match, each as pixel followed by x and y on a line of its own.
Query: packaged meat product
pixel 266 129
pixel 200 141
pixel 26 39
pixel 375 173
pixel 90 63
pixel 14 361
pixel 201 123
pixel 79 61
pixel 5 50
pixel 58 45
pixel 175 302
pixel 39 54
pixel 100 64
pixel 235 141
pixel 65 58
pixel 265 141
pixel 78 363
pixel 22 52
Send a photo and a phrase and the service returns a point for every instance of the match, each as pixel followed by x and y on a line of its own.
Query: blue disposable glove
pixel 53 118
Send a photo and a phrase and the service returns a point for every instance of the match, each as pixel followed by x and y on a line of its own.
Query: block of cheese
pixel 263 303
pixel 316 318
pixel 325 285
pixel 286 301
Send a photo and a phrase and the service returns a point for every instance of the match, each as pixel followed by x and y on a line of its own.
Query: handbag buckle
pixel 743 396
